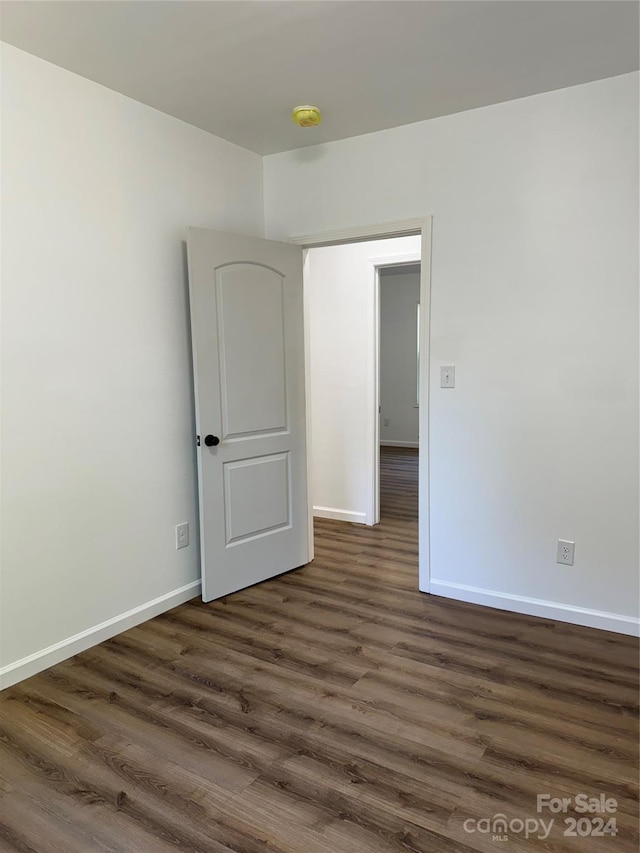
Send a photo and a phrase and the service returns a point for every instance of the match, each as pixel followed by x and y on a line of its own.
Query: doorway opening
pixel 399 390
pixel 364 382
pixel 254 358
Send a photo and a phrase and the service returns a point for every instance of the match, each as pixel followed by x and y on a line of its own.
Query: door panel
pixel 257 496
pixel 250 307
pixel 247 336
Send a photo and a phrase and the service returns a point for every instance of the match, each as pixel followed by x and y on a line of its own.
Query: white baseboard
pixel 537 607
pixel 392 443
pixel 340 514
pixel 58 652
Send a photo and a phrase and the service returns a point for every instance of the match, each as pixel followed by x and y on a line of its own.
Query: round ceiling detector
pixel 307 116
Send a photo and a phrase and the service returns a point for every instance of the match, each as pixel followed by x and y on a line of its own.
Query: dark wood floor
pixel 332 710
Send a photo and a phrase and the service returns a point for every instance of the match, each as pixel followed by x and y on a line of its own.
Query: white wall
pixel 97 415
pixel 399 298
pixel 535 300
pixel 340 304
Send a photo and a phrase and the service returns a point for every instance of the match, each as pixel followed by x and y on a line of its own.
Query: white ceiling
pixel 237 68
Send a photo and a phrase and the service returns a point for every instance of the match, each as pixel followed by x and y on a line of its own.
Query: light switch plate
pixel 448 377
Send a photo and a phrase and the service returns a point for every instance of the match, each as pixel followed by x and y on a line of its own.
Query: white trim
pixel 307 396
pixel 392 443
pixel 401 228
pixel 397 259
pixel 373 516
pixel 340 514
pixel 58 652
pixel 537 607
pixel 424 505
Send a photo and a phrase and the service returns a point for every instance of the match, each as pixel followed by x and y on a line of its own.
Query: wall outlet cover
pixel 182 535
pixel 566 551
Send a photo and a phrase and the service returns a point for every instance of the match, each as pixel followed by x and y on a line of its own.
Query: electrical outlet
pixel 565 552
pixel 386 421
pixel 182 535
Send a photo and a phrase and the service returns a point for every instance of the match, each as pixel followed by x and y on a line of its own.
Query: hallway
pixel 399 484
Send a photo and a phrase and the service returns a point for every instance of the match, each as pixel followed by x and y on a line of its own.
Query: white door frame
pixel 402 228
pixel 375 265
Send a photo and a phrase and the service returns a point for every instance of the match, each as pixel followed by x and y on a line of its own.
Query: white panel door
pixel 248 359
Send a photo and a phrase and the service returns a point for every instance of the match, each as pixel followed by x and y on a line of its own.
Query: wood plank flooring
pixel 334 709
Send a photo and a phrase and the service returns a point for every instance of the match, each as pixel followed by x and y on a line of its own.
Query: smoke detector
pixel 306 116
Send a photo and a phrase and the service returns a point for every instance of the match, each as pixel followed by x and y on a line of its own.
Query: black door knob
pixel 211 440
